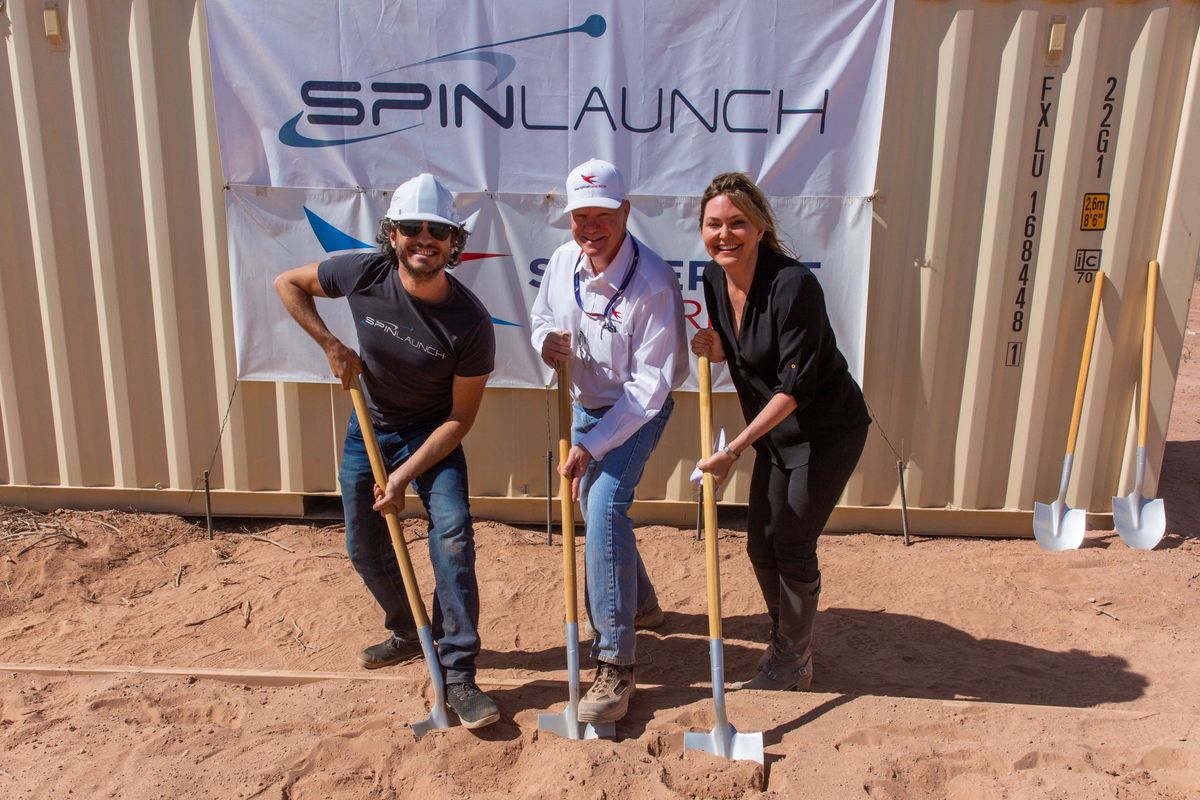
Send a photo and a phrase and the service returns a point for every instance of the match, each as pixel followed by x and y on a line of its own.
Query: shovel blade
pixel 1057 526
pixel 727 743
pixel 437 721
pixel 568 727
pixel 723 740
pixel 567 724
pixel 437 713
pixel 1141 523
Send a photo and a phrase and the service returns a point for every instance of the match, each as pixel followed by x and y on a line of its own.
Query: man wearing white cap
pixel 611 306
pixel 426 349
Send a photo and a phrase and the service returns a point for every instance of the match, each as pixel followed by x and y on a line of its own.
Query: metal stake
pixel 903 501
pixel 549 500
pixel 700 514
pixel 207 506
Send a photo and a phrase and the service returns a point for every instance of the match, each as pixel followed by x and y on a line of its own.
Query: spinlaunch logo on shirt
pixel 394 330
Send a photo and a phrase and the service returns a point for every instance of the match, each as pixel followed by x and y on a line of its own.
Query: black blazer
pixel 786 344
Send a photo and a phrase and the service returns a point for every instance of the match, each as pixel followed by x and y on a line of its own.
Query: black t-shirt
pixel 411 350
pixel 786 344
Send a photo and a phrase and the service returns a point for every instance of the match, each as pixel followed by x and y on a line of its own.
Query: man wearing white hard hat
pixel 426 350
pixel 610 306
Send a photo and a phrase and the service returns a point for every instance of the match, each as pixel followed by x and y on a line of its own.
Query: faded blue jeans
pixel 617 586
pixel 443 491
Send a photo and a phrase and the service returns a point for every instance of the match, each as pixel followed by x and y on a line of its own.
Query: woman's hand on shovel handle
pixel 576 464
pixel 393 495
pixel 719 464
pixel 707 343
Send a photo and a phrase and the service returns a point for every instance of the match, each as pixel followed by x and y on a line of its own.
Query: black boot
pixel 768 584
pixel 789 656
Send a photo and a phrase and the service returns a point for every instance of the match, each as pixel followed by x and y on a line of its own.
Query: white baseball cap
pixel 595 184
pixel 423 198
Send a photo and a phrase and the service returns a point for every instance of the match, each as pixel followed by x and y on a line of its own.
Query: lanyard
pixel 616 298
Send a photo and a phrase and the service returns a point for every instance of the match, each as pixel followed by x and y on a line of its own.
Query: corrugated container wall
pixel 1024 145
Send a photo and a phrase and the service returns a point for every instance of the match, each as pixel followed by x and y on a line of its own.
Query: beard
pixel 420 273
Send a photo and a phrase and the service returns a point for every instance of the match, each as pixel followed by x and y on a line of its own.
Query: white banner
pixel 324 107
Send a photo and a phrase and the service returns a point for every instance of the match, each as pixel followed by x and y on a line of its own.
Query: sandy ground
pixel 138 659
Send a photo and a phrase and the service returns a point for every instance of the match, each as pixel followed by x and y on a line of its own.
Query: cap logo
pixel 594 183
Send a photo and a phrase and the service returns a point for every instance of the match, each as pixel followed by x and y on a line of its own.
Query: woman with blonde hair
pixel 805 414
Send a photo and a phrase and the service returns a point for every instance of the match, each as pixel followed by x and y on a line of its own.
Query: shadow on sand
pixel 859 652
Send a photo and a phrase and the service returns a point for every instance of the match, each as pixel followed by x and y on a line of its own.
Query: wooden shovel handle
pixel 1086 362
pixel 1147 353
pixel 712 564
pixel 393 522
pixel 564 492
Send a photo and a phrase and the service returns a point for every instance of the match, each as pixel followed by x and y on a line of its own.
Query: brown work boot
pixel 787 665
pixel 608 698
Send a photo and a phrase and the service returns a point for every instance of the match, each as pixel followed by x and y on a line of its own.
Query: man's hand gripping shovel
pixel 567 724
pixel 437 714
pixel 723 740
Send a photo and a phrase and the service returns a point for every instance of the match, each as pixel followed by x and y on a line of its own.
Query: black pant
pixel 789 507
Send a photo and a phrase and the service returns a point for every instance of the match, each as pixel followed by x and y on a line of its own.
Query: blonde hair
pixel 750 200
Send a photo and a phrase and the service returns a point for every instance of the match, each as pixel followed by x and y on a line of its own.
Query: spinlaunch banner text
pixel 324 107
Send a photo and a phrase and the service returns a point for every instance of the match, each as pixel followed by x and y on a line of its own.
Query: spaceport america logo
pixel 345 112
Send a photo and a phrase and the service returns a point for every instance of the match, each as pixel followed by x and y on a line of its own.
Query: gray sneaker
pixel 474 708
pixel 608 698
pixel 392 650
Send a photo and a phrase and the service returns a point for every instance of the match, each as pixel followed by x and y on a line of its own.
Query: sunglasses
pixel 438 230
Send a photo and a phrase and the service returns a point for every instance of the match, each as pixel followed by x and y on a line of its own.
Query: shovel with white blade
pixel 437 714
pixel 723 740
pixel 567 724
pixel 1142 522
pixel 1057 526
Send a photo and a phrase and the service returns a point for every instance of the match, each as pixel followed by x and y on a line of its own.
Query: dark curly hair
pixel 751 201
pixel 458 238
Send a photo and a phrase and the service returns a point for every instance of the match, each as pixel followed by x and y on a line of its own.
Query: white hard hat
pixel 423 198
pixel 595 184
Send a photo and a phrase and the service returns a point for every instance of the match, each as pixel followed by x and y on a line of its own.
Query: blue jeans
pixel 617 587
pixel 443 491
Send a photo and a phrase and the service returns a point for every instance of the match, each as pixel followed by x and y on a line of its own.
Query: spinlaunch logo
pixel 346 112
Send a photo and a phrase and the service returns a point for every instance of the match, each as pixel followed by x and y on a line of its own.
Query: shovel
pixel 723 740
pixel 1142 522
pixel 437 714
pixel 567 724
pixel 1058 526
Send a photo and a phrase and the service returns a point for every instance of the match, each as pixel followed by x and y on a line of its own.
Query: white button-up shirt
pixel 633 369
